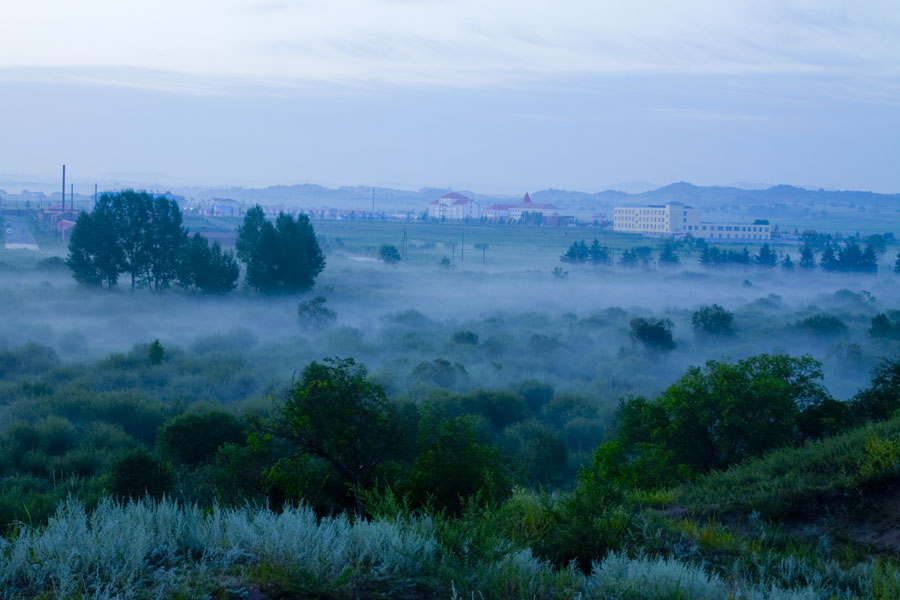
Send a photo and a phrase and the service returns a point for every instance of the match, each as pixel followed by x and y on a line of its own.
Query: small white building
pixel 453 207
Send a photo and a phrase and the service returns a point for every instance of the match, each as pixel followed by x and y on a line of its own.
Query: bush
pixel 138 474
pixel 654 334
pixel 314 313
pixel 465 338
pixel 822 325
pixel 713 320
pixel 191 439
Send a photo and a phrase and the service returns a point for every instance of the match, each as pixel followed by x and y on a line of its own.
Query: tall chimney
pixel 72 197
pixel 63 205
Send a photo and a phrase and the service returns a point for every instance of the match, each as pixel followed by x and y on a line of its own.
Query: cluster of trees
pixel 143 235
pixel 280 257
pixel 712 256
pixel 580 253
pixel 721 414
pixel 849 258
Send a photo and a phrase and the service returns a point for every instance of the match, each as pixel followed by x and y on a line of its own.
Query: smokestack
pixel 72 197
pixel 63 205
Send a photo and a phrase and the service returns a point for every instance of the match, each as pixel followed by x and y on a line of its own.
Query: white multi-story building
pixel 453 207
pixel 676 218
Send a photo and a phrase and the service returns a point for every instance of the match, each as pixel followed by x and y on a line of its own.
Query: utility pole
pixel 95 194
pixel 462 247
pixel 63 205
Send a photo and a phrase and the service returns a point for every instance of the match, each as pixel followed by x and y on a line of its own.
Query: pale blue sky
pixel 491 96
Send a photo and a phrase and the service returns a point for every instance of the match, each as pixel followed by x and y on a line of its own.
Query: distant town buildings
pixel 456 207
pixel 676 218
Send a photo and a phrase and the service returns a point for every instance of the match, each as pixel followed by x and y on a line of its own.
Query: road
pixel 18 235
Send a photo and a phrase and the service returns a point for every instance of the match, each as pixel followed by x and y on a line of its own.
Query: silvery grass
pixel 155 550
pixel 152 549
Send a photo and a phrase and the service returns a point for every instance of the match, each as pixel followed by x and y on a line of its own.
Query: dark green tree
pixel 335 414
pixel 280 258
pixel 166 236
pixel 629 258
pixel 577 253
pixel 455 463
pixel 206 268
pixel 807 257
pixel 713 320
pixel 193 438
pixel 829 261
pixel 598 254
pixel 868 262
pixel 787 264
pixel 138 474
pixel 655 335
pixel 95 255
pixel 668 257
pixel 882 398
pixel 897 263
pixel 133 211
pixel 156 353
pixel 389 254
pixel 766 257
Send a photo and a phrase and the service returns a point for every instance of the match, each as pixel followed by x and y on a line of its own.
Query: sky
pixel 500 96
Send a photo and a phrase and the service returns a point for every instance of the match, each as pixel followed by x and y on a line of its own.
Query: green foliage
pixel 138 474
pixel 206 268
pixel 336 415
pixel 95 256
pixel 194 438
pixel 655 335
pixel 882 398
pixel 712 418
pixel 280 258
pixel 668 257
pixel 793 480
pixel 156 353
pixel 713 320
pixel 455 463
pixel 807 257
pixel 787 264
pixel 389 254
pixel 128 232
pixel 766 257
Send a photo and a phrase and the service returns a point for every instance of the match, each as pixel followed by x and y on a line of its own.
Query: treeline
pixel 848 258
pixel 143 236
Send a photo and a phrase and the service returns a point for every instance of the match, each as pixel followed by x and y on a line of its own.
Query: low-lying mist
pixel 494 327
